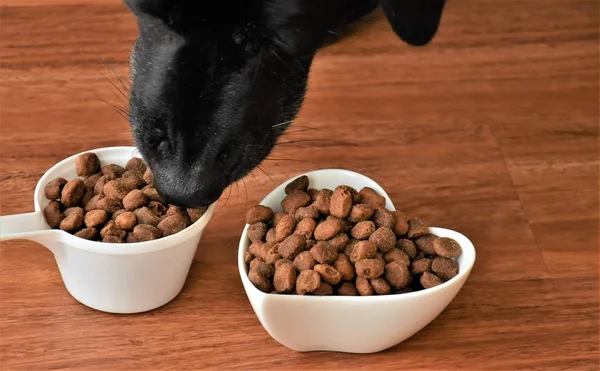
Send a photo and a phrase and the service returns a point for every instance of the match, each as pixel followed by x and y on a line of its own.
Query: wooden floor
pixel 492 131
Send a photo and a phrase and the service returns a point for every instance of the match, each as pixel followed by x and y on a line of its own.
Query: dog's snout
pixel 187 190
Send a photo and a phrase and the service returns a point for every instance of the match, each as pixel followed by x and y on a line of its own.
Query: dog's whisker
pixel 282 123
pixel 266 173
pixel 119 77
pixel 288 159
pixel 246 190
pixel 226 200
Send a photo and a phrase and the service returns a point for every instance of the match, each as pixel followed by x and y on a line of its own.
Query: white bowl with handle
pixel 110 277
pixel 352 324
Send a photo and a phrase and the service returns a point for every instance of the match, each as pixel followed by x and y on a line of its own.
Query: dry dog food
pixel 341 242
pixel 117 204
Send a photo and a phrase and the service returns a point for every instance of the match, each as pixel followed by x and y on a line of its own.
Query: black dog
pixel 214 84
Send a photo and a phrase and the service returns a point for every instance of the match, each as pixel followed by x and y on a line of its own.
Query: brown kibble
pixel 310 244
pixel 369 268
pixel 87 233
pixel 328 229
pixel 90 181
pixel 93 203
pixel 263 268
pixel 134 200
pixel 328 273
pixel 323 252
pixel 110 238
pixel 324 289
pixel 112 171
pixel 379 257
pixel 258 213
pixel 95 218
pixel 342 264
pixel 171 225
pixel 133 180
pixel 52 214
pixel 427 243
pixel 87 164
pixel 341 202
pixel 397 275
pixel 408 247
pixel 384 238
pixel 304 261
pixel 396 255
pixel 416 228
pixel 284 280
pixel 346 224
pixel 259 281
pixel 380 286
pixel 99 185
pixel 72 222
pixel 152 194
pixel 323 201
pixel 74 209
pixel 271 236
pixel 312 193
pixel 126 221
pixel 146 216
pixel 111 229
pixel 350 246
pixel 306 212
pixel 360 213
pixel 384 218
pixel 305 228
pixel 270 253
pixel 54 188
pixel 247 256
pixel 196 214
pixel 255 249
pixel 147 177
pixel 115 214
pixel 298 184
pixel 401 226
pixel 256 231
pixel 307 282
pixel 87 196
pixel 72 192
pixel 293 245
pixel 284 228
pixel 339 242
pixel 429 280
pixel 420 266
pixel 448 248
pixel 118 188
pixel 160 209
pixel 294 200
pixel 370 197
pixel 136 164
pixel 131 238
pixel 363 230
pixel 145 232
pixel 347 289
pixel 363 250
pixel 363 287
pixel 110 205
pixel 445 268
pixel 277 217
pixel 353 193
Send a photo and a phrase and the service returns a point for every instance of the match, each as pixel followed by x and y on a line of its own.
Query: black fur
pixel 212 82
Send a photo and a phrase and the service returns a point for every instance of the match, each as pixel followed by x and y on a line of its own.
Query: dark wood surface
pixel 492 130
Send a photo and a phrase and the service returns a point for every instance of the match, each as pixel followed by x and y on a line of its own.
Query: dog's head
pixel 214 84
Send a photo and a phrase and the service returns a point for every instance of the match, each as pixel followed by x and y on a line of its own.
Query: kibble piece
pixel 196 214
pixel 384 238
pixel 307 282
pixel 271 236
pixel 74 209
pixel 363 230
pixel 284 228
pixel 259 281
pixel 110 228
pixel 112 171
pixel 346 224
pixel 408 247
pixel 117 188
pixel 90 181
pixel 131 238
pixel 152 194
pixel 115 214
pixel 323 252
pixel 136 164
pixel 52 214
pixel 179 211
pixel 350 246
pixel 342 264
pixel 379 257
pixel 109 238
pixel 328 273
pixel 306 212
pixel 72 192
pixel 87 196
pixel 304 261
pixel 134 199
pixel 341 202
pixel 146 216
pixel 72 222
pixel 298 184
pixel 255 249
pixel 294 200
pixel 429 280
pixel 448 248
pixel 339 242
pixel 363 250
pixel 312 193
pixel 397 275
pixel 93 203
pixel 54 188
pixel 263 268
pixel 416 228
pixel 171 225
pixel 353 193
pixel 256 231
pixel 160 209
pixel 360 213
pixel 347 289
pixel 285 277
pixel 324 289
pixel 305 228
pixel 248 257
pixel 328 229
pixel 110 205
pixel 132 180
pixel 396 255
pixel 369 268
pixel 100 183
pixel 95 218
pixel 87 233
pixel 384 218
pixel 292 246
pixel 87 164
pixel 270 253
pixel 323 201
pixel 370 197
pixel 380 286
pixel 444 268
pixel 363 287
pixel 145 232
pixel 401 226
pixel 148 178
pixel 258 213
pixel 420 266
pixel 277 217
pixel 427 243
pixel 126 221
pixel 310 244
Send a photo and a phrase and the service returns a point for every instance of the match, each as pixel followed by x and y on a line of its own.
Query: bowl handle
pixel 29 226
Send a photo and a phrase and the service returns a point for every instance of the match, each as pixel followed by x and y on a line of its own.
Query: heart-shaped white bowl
pixel 352 324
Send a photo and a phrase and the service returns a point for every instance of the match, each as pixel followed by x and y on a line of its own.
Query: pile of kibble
pixel 113 204
pixel 343 242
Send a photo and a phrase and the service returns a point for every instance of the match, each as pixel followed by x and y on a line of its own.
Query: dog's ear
pixel 414 21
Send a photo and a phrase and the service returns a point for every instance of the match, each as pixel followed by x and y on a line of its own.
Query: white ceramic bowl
pixel 110 277
pixel 342 323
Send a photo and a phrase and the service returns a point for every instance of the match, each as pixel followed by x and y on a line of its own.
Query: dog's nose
pixel 185 191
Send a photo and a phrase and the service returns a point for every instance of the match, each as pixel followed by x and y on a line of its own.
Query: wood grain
pixel 492 130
